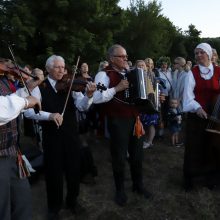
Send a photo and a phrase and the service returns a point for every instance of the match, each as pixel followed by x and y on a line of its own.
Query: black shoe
pixel 88 179
pixel 188 184
pixel 77 209
pixel 143 192
pixel 179 144
pixel 120 198
pixel 53 216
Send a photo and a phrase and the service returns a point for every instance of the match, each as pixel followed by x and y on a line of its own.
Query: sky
pixel 205 15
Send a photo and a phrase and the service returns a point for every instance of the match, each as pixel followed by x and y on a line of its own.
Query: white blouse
pixel 189 102
pixel 10 107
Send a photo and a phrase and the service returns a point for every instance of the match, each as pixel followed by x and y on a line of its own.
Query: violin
pixel 7 67
pixel 78 85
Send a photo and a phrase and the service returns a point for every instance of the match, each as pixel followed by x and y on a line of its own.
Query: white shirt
pixel 10 107
pixel 178 86
pixel 104 96
pixel 81 102
pixel 167 76
pixel 189 102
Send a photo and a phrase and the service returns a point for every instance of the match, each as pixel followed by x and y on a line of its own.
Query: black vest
pixel 54 102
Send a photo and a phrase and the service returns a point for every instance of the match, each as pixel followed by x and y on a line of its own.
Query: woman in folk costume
pixel 202 154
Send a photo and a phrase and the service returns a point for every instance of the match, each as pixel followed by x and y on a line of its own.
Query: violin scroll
pixel 101 87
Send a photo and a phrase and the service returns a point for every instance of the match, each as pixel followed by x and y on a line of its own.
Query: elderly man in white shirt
pixel 60 137
pixel 121 119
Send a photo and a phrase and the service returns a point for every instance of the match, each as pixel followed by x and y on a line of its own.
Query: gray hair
pixel 111 51
pixel 102 64
pixel 183 64
pixel 181 61
pixel 50 61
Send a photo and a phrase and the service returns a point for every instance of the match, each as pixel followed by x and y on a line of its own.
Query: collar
pixel 206 72
pixel 52 83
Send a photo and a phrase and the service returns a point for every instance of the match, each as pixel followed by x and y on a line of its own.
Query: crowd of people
pixel 183 97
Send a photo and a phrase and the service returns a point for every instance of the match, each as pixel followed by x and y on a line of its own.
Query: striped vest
pixel 8 132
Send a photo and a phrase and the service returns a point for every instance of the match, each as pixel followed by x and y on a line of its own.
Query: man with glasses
pixel 120 123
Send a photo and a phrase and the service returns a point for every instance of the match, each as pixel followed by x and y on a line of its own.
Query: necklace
pixel 205 73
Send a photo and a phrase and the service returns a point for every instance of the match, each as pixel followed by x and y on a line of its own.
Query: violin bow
pixel 71 83
pixel 36 108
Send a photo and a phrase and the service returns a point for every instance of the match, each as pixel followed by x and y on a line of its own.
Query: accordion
pixel 141 91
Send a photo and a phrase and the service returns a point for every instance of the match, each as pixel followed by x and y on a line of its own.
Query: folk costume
pixel 15 203
pixel 202 154
pixel 121 118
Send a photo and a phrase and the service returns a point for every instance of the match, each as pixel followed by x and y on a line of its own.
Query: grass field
pixel 162 170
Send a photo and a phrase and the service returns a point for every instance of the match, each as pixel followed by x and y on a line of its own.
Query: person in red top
pixel 202 87
pixel 121 119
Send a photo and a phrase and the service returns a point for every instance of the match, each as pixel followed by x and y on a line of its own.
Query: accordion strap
pixel 121 101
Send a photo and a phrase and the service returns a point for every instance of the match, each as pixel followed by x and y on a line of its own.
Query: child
pixel 174 121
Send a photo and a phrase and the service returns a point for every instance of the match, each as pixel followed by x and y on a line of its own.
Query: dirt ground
pixel 162 170
pixel 98 198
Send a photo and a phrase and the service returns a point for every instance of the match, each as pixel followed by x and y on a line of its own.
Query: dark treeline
pixel 86 28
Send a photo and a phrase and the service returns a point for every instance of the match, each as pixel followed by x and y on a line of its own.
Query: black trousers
pixel 62 159
pixel 121 142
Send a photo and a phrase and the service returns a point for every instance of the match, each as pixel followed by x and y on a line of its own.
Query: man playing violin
pixel 60 138
pixel 15 203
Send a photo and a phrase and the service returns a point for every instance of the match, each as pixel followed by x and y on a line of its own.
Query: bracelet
pixel 26 103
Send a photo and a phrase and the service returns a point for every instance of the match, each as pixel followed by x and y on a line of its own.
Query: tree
pixel 41 28
pixel 147 33
pixel 193 39
pixel 86 28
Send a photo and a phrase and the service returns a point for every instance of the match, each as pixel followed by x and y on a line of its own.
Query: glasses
pixel 122 56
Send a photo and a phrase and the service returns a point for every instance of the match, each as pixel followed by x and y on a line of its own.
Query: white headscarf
pixel 207 48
